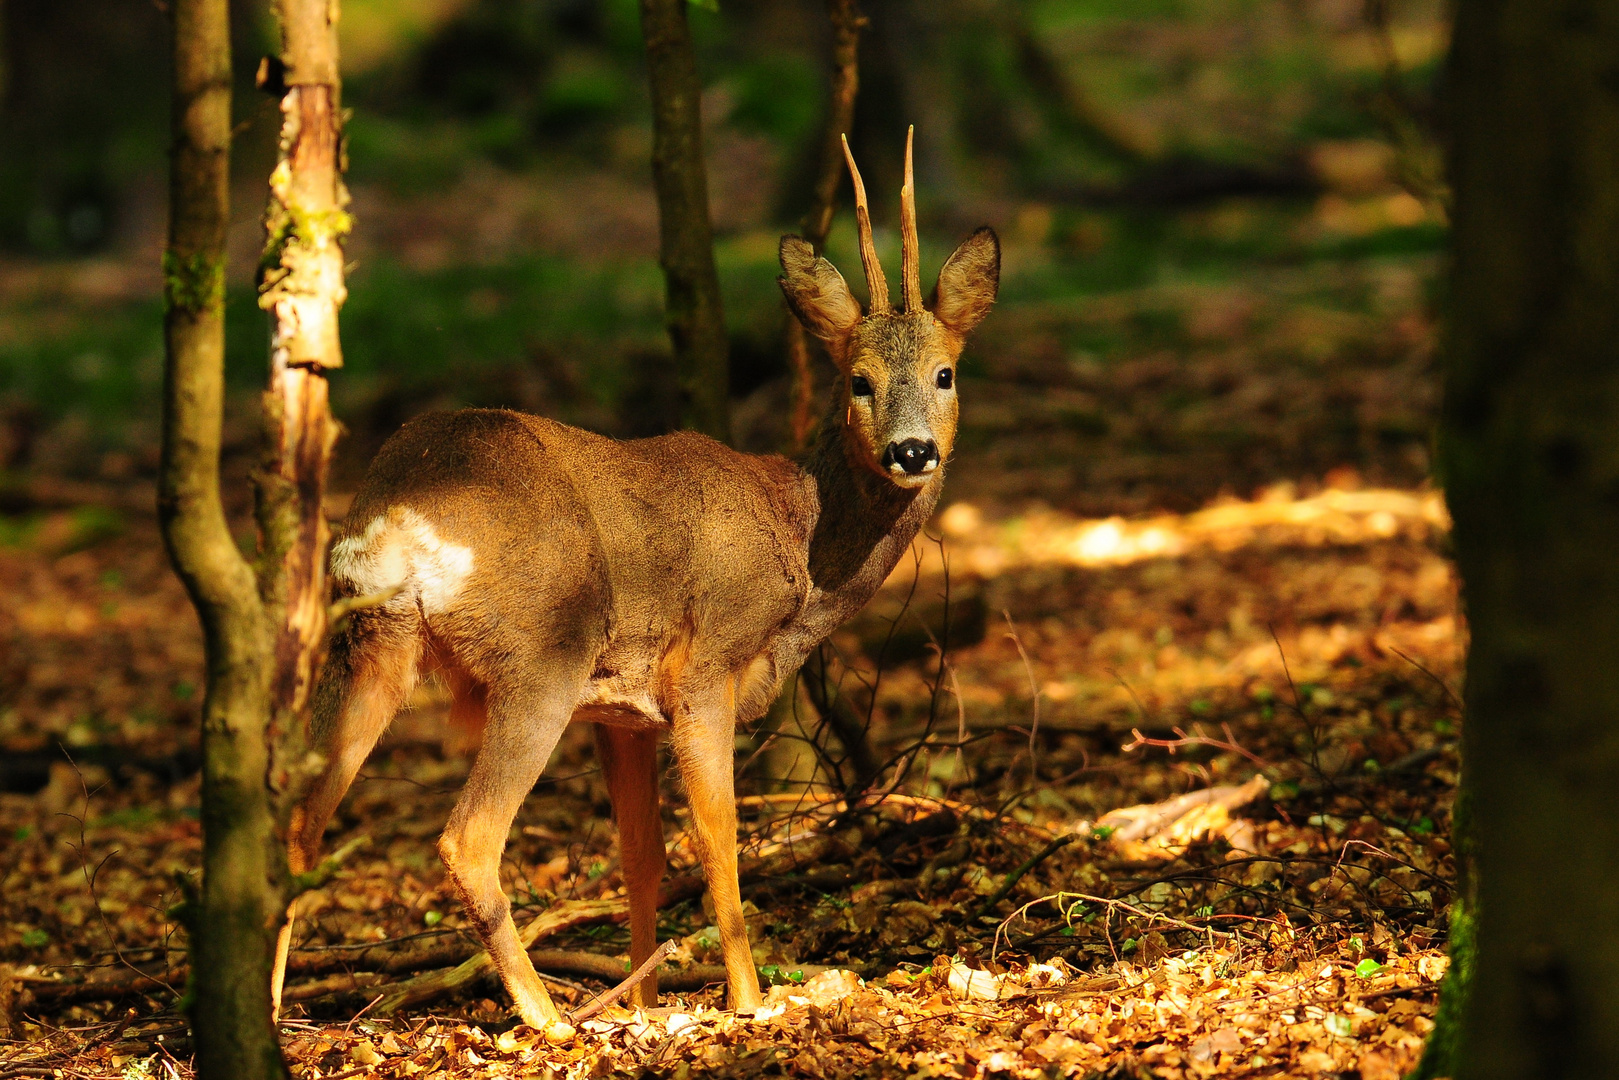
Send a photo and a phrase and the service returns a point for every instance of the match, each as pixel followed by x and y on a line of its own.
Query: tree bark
pixel 846 25
pixel 692 307
pixel 1531 466
pixel 237 910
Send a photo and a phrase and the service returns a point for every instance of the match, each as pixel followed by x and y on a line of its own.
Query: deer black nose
pixel 912 455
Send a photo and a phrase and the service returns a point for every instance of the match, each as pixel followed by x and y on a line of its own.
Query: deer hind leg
pixel 367 678
pixel 705 746
pixel 524 727
pixel 630 763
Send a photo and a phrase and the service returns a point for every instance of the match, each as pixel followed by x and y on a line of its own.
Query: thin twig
pixel 1229 744
pixel 591 1008
pixel 1034 695
pixel 1443 685
pixel 323 872
pixel 1056 845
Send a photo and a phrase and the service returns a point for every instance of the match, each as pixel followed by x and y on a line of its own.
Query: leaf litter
pixel 1220 852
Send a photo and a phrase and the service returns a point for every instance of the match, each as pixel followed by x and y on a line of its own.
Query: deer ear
pixel 968 282
pixel 816 292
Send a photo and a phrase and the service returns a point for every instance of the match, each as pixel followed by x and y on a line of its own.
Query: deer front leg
pixel 364 684
pixel 705 743
pixel 630 764
pixel 518 743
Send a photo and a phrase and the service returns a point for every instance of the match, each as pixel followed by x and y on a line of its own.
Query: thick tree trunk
pixel 846 23
pixel 1531 465
pixel 693 311
pixel 238 908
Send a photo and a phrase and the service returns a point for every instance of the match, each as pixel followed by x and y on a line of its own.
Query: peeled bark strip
pixel 237 910
pixel 692 307
pixel 847 23
pixel 1531 470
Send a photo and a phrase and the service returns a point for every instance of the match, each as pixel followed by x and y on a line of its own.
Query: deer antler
pixel 876 284
pixel 910 266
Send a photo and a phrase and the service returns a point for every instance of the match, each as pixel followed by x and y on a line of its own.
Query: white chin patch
pixel 400 548
pixel 911 480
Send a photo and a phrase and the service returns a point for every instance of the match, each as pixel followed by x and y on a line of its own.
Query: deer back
pixel 665 561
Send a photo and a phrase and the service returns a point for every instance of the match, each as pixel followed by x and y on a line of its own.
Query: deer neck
pixel 864 524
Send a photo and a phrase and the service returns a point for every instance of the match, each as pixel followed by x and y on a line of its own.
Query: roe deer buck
pixel 659 585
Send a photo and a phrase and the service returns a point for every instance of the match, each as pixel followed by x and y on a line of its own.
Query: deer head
pixel 897 369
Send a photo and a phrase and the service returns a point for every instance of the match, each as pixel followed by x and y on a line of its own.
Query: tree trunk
pixel 1531 467
pixel 237 910
pixel 693 311
pixel 301 286
pixel 846 24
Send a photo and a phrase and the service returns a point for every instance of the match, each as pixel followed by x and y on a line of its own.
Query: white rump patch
pixel 400 548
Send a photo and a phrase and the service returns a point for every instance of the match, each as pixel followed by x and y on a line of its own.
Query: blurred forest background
pixel 1219 217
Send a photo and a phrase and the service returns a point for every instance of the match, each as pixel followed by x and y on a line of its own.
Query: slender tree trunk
pixel 301 286
pixel 693 311
pixel 1531 466
pixel 237 909
pixel 846 24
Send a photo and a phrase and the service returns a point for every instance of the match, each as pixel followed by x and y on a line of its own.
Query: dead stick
pixel 1017 875
pixel 591 1008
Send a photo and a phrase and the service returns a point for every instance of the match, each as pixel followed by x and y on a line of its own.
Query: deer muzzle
pixel 911 458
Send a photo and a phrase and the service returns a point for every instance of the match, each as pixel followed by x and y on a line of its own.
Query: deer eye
pixel 859 387
pixel 945 379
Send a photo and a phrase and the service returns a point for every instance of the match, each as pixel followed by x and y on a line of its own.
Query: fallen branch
pixel 1178 822
pixel 435 984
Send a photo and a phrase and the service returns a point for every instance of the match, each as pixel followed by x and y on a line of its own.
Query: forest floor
pixel 1188 561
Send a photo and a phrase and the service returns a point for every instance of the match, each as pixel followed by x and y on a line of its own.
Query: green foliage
pixel 778 96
